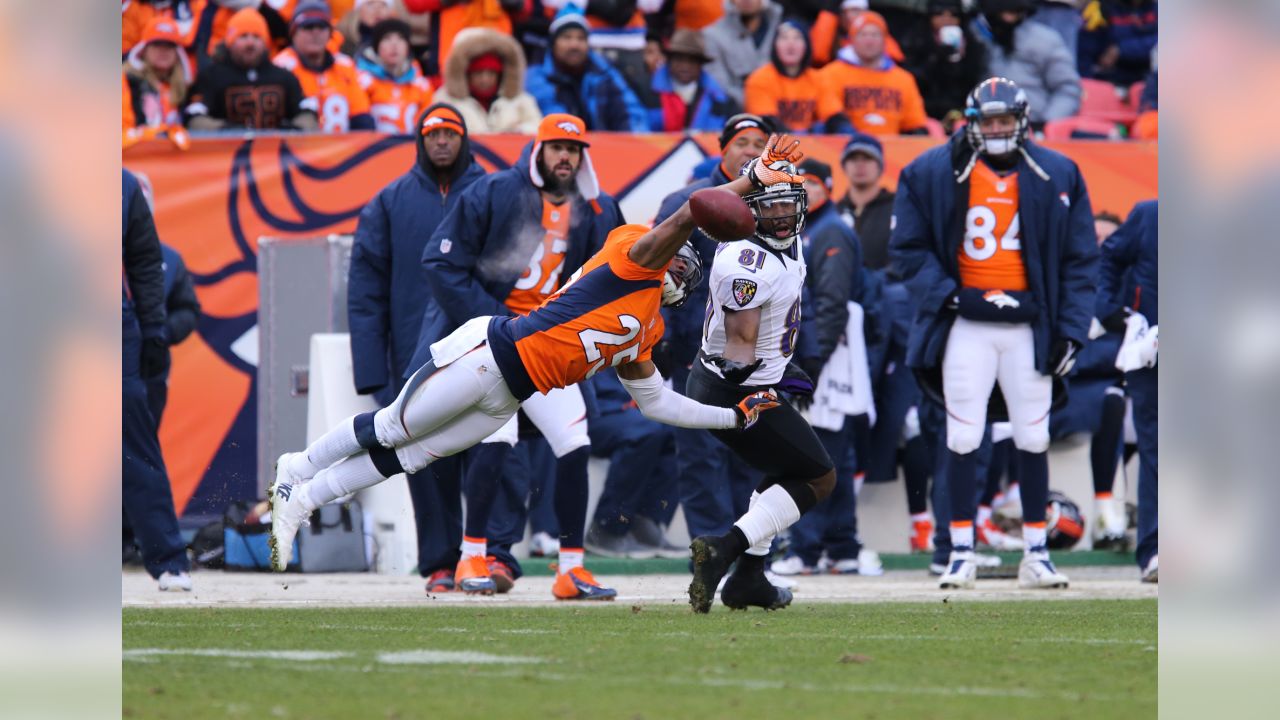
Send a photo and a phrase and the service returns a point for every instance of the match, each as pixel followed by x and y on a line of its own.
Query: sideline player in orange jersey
pixel 607 315
pixel 328 79
pixel 1008 297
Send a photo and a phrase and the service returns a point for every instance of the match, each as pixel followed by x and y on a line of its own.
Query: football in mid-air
pixel 721 214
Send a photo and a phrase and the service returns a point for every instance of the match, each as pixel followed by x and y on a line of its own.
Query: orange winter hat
pixel 564 127
pixel 247 22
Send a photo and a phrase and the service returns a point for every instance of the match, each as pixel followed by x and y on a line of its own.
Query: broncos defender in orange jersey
pixel 607 315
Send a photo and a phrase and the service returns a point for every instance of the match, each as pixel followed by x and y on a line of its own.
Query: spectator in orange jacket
pixel 396 88
pixel 832 30
pixel 786 88
pixel 328 80
pixel 136 16
pixel 864 89
pixel 158 72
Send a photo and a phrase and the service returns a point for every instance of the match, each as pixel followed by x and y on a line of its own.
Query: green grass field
pixel 1041 659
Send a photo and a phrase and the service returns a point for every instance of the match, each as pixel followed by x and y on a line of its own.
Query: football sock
pixel 921 517
pixel 571 498
pixel 1034 472
pixel 916 466
pixel 962 535
pixel 481 485
pixel 1104 450
pixel 775 511
pixel 355 473
pixel 760 549
pixel 1033 534
pixel 328 449
pixel 570 558
pixel 962 485
pixel 474 546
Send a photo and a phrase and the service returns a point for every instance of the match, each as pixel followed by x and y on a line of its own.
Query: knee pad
pixel 415 457
pixel 1032 438
pixel 389 430
pixel 822 486
pixel 963 439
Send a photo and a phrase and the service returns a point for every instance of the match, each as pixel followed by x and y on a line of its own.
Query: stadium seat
pixel 1099 100
pixel 1081 127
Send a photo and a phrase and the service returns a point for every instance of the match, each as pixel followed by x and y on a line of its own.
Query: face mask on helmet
pixel 682 276
pixel 991 99
pixel 780 213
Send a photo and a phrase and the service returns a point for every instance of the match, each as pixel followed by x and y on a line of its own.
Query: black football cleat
pixel 753 589
pixel 710 563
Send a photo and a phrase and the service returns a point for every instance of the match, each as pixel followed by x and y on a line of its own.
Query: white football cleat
pixel 1151 573
pixel 869 564
pixel 791 565
pixel 779 581
pixel 993 537
pixel 1111 525
pixel 1037 571
pixel 283 476
pixel 175 582
pixel 961 572
pixel 288 514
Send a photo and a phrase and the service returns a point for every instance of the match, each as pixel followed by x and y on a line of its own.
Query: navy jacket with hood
pixel 1130 267
pixel 387 290
pixel 1059 247
pixel 484 244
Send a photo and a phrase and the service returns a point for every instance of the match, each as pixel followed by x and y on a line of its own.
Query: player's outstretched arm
pixel 660 403
pixel 741 330
pixel 655 248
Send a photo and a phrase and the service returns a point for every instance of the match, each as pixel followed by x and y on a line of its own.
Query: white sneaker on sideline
pixel 869 563
pixel 984 560
pixel 541 544
pixel 997 539
pixel 961 572
pixel 288 514
pixel 1038 571
pixel 1151 573
pixel 174 582
pixel 779 581
pixel 791 565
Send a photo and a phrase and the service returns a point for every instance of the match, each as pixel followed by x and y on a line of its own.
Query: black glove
pixel 797 384
pixel 734 371
pixel 1063 357
pixel 155 358
pixel 1116 321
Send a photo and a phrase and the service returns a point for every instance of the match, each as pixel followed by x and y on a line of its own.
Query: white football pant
pixel 977 355
pixel 561 417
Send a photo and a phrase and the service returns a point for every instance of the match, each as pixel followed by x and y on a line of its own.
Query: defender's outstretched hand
pixel 750 407
pixel 775 164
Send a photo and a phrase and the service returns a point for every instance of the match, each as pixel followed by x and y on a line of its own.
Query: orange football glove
pixel 750 407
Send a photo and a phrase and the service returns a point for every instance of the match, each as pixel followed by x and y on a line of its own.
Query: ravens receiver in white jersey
pixel 751 329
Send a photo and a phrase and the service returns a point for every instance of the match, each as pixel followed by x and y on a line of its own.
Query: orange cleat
pixel 440 581
pixel 472 576
pixel 579 584
pixel 502 576
pixel 922 536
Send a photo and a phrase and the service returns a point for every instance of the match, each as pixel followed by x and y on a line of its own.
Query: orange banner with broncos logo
pixel 213 202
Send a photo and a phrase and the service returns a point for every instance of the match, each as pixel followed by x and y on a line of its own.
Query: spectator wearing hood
pixel 158 72
pixel 513 239
pixel 450 17
pixel 328 79
pixel 740 42
pixel 356 27
pixel 484 80
pixel 945 58
pixel 1031 55
pixel 573 80
pixel 396 89
pixel 688 98
pixel 387 292
pixel 864 89
pixel 786 87
pixel 242 88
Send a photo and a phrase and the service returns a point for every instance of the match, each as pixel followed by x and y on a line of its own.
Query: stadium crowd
pixel 879 66
pixel 446 70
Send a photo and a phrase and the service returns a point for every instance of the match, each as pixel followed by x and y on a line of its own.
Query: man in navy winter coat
pixel 511 241
pixel 572 79
pixel 1134 248
pixel 994 236
pixel 387 296
pixel 146 495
